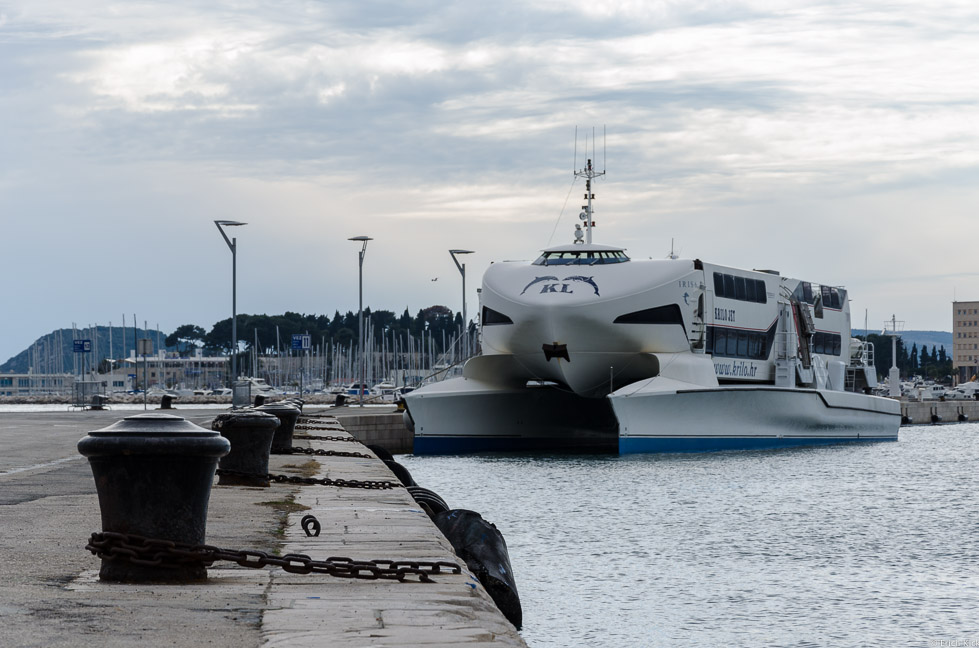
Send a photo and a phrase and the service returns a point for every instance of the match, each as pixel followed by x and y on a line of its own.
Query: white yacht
pixel 586 349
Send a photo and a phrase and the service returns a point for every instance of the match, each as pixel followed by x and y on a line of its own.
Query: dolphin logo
pixel 536 281
pixel 588 280
pixel 685 296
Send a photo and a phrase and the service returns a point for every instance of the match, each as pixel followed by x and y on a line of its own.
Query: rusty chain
pixel 313 481
pixel 310 437
pixel 317 451
pixel 151 552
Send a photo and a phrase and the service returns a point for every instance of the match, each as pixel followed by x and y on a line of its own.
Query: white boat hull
pixel 740 418
pixel 462 415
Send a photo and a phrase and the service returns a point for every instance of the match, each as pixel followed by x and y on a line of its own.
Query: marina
pixel 536 324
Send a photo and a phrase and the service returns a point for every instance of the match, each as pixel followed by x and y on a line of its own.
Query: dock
pixel 51 594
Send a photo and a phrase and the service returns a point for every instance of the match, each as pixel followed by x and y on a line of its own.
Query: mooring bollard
pixel 287 415
pixel 153 473
pixel 250 433
pixel 259 400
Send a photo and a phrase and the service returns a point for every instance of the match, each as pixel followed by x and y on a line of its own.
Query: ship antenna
pixel 588 173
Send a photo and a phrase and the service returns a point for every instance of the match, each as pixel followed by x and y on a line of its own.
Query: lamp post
pixel 465 322
pixel 360 316
pixel 233 246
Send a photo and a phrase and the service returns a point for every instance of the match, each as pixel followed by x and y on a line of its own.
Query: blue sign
pixel 82 346
pixel 301 342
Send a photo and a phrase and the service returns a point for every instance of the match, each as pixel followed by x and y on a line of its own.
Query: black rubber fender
pixel 401 473
pixel 428 500
pixel 381 452
pixel 481 545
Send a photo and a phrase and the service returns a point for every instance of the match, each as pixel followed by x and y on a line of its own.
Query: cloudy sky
pixel 834 141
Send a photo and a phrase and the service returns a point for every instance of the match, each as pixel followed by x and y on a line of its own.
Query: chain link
pixel 310 437
pixel 318 451
pixel 152 552
pixel 313 481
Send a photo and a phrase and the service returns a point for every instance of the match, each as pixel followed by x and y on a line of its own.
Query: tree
pixel 186 337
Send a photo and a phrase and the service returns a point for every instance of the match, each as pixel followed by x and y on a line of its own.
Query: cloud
pixel 818 136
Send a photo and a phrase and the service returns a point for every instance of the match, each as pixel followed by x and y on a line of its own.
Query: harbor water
pixel 859 544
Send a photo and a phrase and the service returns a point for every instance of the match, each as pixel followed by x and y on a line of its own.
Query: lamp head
pixel 360 238
pixel 229 223
pixel 460 251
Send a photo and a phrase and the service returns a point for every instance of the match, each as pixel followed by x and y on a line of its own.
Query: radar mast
pixel 588 173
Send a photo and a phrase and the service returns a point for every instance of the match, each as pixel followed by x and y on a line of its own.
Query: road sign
pixel 82 346
pixel 301 342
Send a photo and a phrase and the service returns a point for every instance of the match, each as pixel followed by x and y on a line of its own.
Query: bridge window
pixel 581 257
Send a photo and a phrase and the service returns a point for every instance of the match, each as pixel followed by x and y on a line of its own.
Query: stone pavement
pixel 50 594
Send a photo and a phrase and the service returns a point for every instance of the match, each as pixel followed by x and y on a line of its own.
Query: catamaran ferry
pixel 587 349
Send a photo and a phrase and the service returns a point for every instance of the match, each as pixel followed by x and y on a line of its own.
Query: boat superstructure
pixel 585 348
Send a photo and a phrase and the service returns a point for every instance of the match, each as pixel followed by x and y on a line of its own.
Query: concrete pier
pixel 921 412
pixel 50 594
pixel 381 426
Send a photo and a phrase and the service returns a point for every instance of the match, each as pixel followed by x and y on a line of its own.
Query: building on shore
pixel 36 384
pixel 965 340
pixel 169 370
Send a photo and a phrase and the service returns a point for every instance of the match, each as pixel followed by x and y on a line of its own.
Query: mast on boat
pixel 587 212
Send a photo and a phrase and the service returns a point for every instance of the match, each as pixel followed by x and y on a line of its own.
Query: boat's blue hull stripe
pixel 627 445
pixel 631 445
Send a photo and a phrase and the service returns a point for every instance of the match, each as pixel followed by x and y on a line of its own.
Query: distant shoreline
pixel 185 401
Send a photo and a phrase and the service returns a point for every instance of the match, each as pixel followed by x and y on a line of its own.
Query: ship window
pixel 742 288
pixel 720 342
pixel 739 289
pixel 669 314
pixel 803 292
pixel 580 257
pixel 827 343
pixel 733 343
pixel 491 317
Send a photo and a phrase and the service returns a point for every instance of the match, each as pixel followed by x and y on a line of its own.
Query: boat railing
pixel 864 357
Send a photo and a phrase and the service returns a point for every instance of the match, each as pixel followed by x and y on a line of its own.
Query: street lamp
pixel 233 246
pixel 363 251
pixel 465 322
